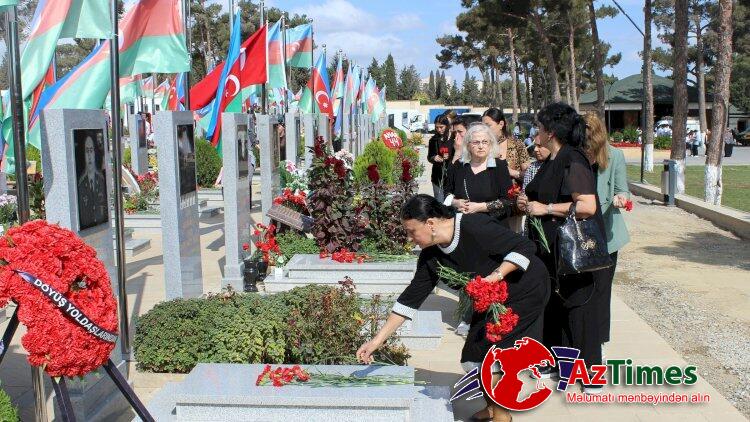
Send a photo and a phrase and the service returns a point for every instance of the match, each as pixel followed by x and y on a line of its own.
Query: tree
pixel 431 86
pixel 454 97
pixel 739 87
pixel 442 91
pixel 375 70
pixel 720 107
pixel 408 85
pixel 598 60
pixel 389 78
pixel 648 130
pixel 513 76
pixel 470 94
pixel 680 100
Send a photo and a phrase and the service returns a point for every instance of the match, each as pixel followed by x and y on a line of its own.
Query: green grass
pixel 736 180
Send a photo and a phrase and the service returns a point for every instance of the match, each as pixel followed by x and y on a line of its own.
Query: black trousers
pixel 728 150
pixel 604 285
pixel 572 316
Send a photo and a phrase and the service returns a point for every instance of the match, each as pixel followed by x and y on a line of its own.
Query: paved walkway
pixel 631 338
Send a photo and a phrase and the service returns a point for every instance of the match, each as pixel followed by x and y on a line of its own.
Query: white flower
pixel 291 167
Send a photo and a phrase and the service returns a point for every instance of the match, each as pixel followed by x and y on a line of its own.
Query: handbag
pixel 581 246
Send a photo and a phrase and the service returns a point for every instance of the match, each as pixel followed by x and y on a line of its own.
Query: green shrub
pixel 208 163
pixel 8 412
pixel 630 134
pixel 375 153
pixel 292 243
pixel 663 142
pixel 307 325
pixel 617 136
pixel 127 157
pixel 33 154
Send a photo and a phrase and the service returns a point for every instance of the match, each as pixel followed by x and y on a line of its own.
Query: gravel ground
pixel 691 282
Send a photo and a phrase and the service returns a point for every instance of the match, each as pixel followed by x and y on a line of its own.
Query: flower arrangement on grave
pixel 337 222
pixel 488 297
pixel 292 178
pixel 64 298
pixel 267 249
pixel 294 199
pixel 8 208
pixel 142 201
pixel 295 375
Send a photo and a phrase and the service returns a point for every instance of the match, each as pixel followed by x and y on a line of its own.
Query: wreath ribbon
pixel 68 308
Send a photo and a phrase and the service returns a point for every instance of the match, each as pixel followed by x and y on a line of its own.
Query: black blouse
pixel 556 181
pixel 486 186
pixel 433 149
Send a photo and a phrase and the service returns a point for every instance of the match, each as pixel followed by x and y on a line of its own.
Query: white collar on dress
pixel 490 162
pixel 456 234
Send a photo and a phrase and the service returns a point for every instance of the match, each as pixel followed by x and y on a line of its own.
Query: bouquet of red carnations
pixel 487 296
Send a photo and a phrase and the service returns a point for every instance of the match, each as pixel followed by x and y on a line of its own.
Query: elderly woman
pixel 479 182
pixel 477 244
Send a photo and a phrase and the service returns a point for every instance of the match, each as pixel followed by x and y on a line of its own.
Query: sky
pixel 408 29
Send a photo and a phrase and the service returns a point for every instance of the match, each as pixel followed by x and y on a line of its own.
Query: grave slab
pixel 227 392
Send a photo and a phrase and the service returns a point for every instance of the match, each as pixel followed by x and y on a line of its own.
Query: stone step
pixel 209 211
pixel 424 333
pixel 134 247
pixel 227 392
pixel 214 197
pixel 144 223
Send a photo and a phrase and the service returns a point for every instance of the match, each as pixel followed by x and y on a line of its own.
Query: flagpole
pixel 312 64
pixel 263 92
pixel 283 61
pixel 287 72
pixel 22 188
pixel 153 95
pixel 117 172
pixel 186 14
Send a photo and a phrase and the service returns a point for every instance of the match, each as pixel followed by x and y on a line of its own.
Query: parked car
pixel 743 138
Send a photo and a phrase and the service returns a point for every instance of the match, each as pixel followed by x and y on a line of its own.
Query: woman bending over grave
pixel 477 244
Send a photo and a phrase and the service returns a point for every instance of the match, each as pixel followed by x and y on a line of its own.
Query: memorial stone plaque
pixel 270 146
pixel 310 125
pixel 234 129
pixel 138 146
pixel 178 199
pixel 292 136
pixel 77 190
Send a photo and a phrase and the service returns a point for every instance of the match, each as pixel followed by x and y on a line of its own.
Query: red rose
pixel 372 173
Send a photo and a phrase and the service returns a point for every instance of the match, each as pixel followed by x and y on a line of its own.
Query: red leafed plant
pixel 337 222
pixel 59 258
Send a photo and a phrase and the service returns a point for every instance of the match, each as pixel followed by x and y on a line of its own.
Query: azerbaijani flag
pixel 229 83
pixel 276 68
pixel 147 86
pixel 130 88
pixel 299 46
pixel 152 39
pixel 372 98
pixel 337 93
pixel 55 19
pixel 317 88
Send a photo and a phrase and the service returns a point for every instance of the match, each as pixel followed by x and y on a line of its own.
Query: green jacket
pixel 610 182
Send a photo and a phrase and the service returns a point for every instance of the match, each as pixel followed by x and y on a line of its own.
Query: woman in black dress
pixel 440 150
pixel 477 244
pixel 479 182
pixel 571 317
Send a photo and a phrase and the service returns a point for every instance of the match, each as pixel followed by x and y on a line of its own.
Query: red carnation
pixel 372 173
pixel 484 293
pixel 513 192
pixel 629 205
pixel 444 151
pixel 496 330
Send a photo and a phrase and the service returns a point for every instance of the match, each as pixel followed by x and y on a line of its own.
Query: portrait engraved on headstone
pixel 93 208
pixel 242 150
pixel 141 127
pixel 186 159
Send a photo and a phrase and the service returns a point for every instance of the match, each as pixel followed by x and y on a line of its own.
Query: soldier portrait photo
pixel 186 157
pixel 242 147
pixel 89 147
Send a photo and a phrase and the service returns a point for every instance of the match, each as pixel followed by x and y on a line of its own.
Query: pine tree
pixel 389 78
pixel 408 85
pixel 470 93
pixel 375 70
pixel 455 97
pixel 431 86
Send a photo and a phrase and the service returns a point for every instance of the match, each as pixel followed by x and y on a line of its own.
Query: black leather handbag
pixel 581 246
